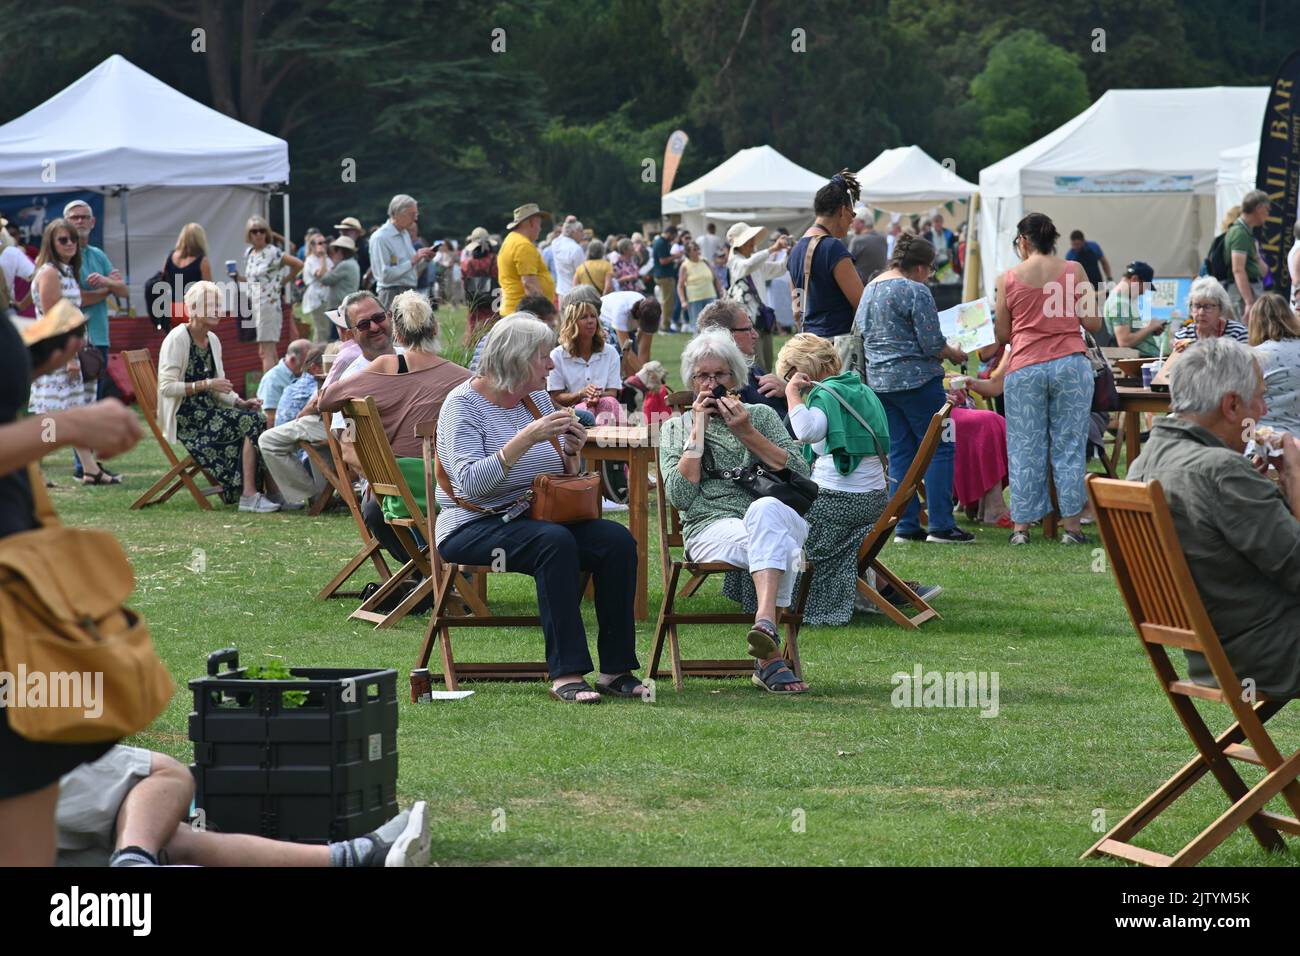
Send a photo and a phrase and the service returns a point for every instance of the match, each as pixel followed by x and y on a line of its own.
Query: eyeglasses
pixel 711 376
pixel 378 318
pixel 62 239
pixel 743 328
pixel 78 217
pixel 1204 307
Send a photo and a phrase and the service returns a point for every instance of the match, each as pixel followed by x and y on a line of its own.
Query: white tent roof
pixel 754 180
pixel 118 125
pixel 908 174
pixel 1237 167
pixel 1137 133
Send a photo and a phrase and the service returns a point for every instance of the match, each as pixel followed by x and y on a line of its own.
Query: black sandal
pixel 624 685
pixel 101 477
pixel 568 693
pixel 775 676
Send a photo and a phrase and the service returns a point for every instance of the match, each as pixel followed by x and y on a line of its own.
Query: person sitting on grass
pixel 129 808
pixel 1239 531
pixel 496 433
pixel 720 522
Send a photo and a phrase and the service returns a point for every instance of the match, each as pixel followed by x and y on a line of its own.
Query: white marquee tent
pixel 757 185
pixel 907 179
pixel 153 152
pixel 1237 167
pixel 1136 171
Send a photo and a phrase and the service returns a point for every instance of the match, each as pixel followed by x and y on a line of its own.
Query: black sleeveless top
pixel 189 275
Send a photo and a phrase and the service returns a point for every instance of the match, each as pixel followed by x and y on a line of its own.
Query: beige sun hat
pixel 62 317
pixel 526 211
pixel 349 222
pixel 742 232
pixel 345 242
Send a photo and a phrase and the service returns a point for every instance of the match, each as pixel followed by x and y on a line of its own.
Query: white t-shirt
pixel 616 308
pixel 568 256
pixel 810 425
pixel 573 373
pixel 16 265
pixel 709 244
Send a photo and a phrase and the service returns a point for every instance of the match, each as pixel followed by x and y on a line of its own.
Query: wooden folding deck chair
pixel 440 624
pixel 183 471
pixel 670 616
pixel 337 479
pixel 883 532
pixel 380 468
pixel 1166 609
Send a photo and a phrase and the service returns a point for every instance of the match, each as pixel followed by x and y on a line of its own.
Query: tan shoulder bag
pixel 79 666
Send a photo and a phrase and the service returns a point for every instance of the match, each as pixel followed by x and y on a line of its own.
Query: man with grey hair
pixel 394 261
pixel 567 253
pixel 1247 282
pixel 1239 531
pixel 762 387
pixel 283 374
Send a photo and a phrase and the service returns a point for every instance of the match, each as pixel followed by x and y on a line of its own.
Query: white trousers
pixel 769 537
pixel 279 445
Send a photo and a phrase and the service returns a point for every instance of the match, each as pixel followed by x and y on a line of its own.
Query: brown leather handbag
pixel 563 499
pixel 88 671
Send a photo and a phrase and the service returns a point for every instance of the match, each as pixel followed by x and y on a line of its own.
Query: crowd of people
pixel 563 332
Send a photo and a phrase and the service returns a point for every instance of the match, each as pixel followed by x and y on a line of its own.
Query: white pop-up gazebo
pixel 757 185
pixel 1136 172
pixel 907 179
pixel 160 158
pixel 1237 168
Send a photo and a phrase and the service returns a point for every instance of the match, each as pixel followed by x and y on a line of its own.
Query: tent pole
pixel 288 241
pixel 126 242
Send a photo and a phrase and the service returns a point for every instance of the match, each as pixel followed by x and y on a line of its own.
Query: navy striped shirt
pixel 470 432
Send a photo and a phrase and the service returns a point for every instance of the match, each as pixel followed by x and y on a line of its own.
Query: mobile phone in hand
pixel 719 391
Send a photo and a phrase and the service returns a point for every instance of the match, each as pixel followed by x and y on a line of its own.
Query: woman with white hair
pixel 496 433
pixel 266 270
pixel 720 521
pixel 198 407
pixel 1211 314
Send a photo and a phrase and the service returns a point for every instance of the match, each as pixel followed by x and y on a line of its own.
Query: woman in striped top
pixel 492 447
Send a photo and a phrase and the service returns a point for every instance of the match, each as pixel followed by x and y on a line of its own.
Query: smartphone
pixel 719 391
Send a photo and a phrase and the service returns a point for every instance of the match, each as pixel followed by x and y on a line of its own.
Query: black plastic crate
pixel 320 772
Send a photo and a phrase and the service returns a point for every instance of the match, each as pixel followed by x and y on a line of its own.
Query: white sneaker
pixel 257 503
pixel 412 846
pixel 607 505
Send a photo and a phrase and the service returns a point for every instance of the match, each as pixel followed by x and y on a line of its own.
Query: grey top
pixel 1243 547
pixel 870 254
pixel 713 498
pixel 341 281
pixel 1281 364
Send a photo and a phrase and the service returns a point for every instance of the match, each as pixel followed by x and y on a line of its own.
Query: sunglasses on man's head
pixel 377 318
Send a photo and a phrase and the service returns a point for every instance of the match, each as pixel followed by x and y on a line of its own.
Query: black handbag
pixel 1105 397
pixel 759 481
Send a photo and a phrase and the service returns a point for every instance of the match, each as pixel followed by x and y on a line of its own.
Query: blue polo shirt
pixel 273 385
pixel 93 259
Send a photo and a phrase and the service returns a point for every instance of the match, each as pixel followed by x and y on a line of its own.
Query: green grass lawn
pixel 720 772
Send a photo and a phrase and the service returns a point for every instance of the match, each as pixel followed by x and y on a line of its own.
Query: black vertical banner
pixel 1278 172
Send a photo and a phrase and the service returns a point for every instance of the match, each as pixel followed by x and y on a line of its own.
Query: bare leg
pixel 1072 524
pixel 267 352
pixel 250 469
pixel 766 583
pixel 190 847
pixel 152 810
pixel 27 835
pixel 992 506
pixel 89 464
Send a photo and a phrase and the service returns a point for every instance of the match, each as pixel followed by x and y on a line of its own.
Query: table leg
pixel 1132 436
pixel 639 522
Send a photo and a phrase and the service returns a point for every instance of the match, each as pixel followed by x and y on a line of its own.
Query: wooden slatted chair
pixel 371 550
pixel 670 616
pixel 1166 609
pixel 883 532
pixel 380 468
pixel 183 471
pixel 442 620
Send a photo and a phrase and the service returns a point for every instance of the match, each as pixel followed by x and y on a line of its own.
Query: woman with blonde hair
pixel 266 270
pixel 316 297
pixel 189 261
pixel 587 368
pixel 1275 335
pixel 198 407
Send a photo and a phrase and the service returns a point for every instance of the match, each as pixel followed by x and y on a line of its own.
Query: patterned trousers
pixel 1048 405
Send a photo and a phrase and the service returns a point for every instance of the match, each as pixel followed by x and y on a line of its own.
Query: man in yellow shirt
pixel 520 268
